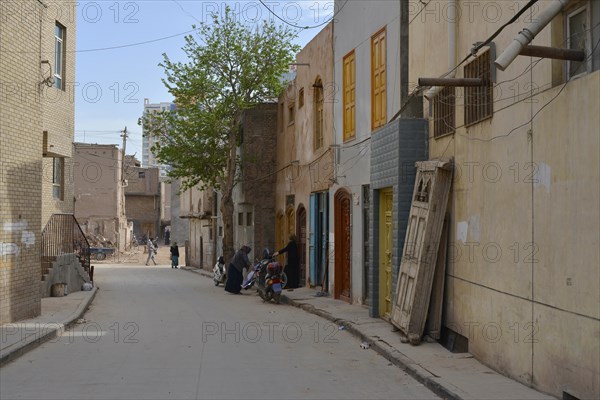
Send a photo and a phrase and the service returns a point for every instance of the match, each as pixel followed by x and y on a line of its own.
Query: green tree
pixel 230 67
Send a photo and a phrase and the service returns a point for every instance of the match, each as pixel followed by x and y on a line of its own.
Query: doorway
pixel 343 246
pixel 385 252
pixel 301 235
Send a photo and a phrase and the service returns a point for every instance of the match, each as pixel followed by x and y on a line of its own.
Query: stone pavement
pixel 449 375
pixel 58 313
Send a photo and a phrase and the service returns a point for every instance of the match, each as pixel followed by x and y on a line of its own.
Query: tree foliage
pixel 230 67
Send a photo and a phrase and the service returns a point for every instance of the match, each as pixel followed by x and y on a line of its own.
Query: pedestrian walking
pixel 292 268
pixel 151 251
pixel 174 255
pixel 234 272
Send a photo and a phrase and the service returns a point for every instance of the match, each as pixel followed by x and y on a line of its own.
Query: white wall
pixel 355 24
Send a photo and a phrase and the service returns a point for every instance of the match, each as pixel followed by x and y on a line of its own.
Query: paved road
pixel 160 333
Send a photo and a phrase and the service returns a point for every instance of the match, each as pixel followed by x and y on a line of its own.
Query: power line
pixel 304 27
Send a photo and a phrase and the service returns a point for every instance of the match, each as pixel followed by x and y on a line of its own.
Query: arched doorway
pixel 301 236
pixel 291 223
pixel 280 232
pixel 343 246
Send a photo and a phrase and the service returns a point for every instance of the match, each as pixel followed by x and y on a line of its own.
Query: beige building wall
pixel 522 281
pixel 58 107
pixel 99 196
pixel 165 202
pixel 143 200
pixel 197 206
pixel 303 168
pixel 36 123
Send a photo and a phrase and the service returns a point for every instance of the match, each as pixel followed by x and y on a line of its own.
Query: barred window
pixel 479 100
pixel 444 112
pixel 58 178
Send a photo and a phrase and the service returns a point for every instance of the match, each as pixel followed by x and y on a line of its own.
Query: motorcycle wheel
pixel 268 295
pixel 283 280
pixel 261 293
pixel 277 297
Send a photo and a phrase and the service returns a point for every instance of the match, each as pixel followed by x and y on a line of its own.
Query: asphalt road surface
pixel 162 333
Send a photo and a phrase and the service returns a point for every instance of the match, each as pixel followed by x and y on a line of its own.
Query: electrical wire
pixel 304 27
pixel 473 51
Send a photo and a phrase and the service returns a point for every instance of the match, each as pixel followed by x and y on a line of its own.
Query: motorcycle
pixel 219 272
pixel 259 273
pixel 271 285
pixel 253 275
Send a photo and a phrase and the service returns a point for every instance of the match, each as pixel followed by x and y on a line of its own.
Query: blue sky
pixel 112 83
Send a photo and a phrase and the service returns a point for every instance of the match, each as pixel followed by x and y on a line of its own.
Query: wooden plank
pixel 433 325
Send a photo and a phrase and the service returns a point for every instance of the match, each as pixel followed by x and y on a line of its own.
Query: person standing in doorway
pixel 167 236
pixel 151 251
pixel 174 255
pixel 293 265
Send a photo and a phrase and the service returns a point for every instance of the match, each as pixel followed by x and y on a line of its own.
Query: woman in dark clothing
pixel 292 267
pixel 174 255
pixel 234 271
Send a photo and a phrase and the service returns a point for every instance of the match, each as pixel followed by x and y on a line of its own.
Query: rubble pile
pixel 97 240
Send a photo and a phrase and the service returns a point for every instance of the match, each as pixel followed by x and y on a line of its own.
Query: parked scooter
pixel 259 273
pixel 219 272
pixel 272 283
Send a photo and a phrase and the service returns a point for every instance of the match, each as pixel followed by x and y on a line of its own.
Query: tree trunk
pixel 227 206
pixel 227 213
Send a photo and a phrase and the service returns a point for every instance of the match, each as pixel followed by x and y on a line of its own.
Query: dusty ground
pixel 137 256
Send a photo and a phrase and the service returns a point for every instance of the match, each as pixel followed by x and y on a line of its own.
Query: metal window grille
pixel 444 112
pixel 479 100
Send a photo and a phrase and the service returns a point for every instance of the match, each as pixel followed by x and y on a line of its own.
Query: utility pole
pixel 122 185
pixel 124 136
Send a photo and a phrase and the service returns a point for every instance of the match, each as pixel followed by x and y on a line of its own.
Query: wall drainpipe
pixel 527 34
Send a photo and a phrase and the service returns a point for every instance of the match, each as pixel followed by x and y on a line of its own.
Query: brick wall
pixel 58 106
pixel 20 162
pixel 258 166
pixel 144 211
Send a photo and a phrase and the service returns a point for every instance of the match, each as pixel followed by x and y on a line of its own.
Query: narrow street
pixel 156 332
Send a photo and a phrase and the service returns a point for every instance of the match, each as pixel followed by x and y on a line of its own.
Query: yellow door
pixel 385 253
pixel 280 229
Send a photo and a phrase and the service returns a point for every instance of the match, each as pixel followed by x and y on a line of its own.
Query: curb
pixel 197 271
pixel 405 363
pixel 30 343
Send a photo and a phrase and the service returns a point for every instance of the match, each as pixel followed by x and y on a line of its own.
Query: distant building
pixel 99 196
pixel 179 226
pixel 199 222
pixel 254 194
pixel 142 199
pixel 148 158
